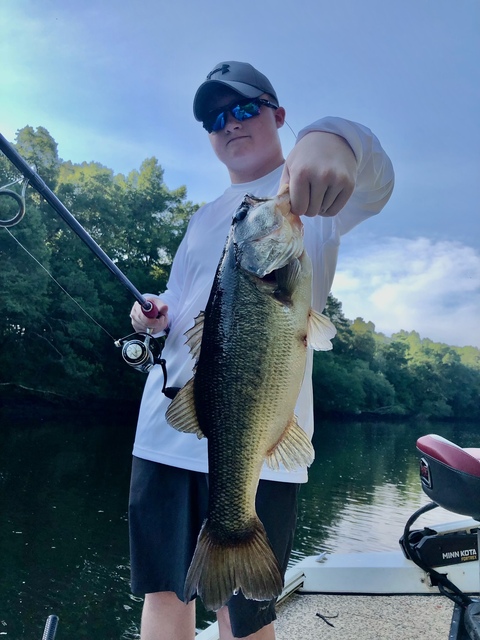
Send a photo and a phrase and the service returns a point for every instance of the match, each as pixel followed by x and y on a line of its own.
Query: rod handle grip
pixel 150 309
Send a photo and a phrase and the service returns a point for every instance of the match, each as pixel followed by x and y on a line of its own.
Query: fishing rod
pixel 139 350
pixel 50 629
pixel 32 177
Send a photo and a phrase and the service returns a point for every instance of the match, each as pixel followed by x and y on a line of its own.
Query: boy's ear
pixel 279 116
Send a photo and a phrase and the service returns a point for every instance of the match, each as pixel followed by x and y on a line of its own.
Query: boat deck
pixel 324 598
pixel 363 617
pixel 426 617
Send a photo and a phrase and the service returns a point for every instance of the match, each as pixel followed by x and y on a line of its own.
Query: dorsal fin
pixel 194 336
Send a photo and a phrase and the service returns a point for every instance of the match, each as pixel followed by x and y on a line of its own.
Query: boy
pixel 338 176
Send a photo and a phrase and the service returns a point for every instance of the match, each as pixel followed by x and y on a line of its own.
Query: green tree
pixel 363 339
pixel 378 392
pixel 138 222
pixel 336 388
pixel 469 356
pixel 39 149
pixel 343 341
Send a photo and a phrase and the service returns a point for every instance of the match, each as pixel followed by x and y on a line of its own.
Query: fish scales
pixel 235 398
pixel 249 369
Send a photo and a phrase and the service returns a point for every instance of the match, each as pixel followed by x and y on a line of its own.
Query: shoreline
pixel 15 398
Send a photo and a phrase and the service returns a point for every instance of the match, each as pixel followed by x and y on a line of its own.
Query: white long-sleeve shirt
pixel 192 276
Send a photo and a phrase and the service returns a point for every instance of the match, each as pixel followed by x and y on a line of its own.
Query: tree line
pixel 401 375
pixel 51 343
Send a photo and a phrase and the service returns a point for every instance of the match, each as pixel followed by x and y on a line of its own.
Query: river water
pixel 63 513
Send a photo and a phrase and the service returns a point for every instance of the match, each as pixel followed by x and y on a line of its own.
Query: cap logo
pixel 224 69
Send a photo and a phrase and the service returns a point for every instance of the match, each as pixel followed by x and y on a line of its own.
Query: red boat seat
pixel 450 475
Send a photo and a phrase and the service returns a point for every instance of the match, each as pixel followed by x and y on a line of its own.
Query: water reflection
pixel 63 500
pixel 63 532
pixel 364 485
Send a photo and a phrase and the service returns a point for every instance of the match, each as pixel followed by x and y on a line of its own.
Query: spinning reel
pixel 142 351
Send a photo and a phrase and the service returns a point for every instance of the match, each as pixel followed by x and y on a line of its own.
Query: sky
pixel 113 82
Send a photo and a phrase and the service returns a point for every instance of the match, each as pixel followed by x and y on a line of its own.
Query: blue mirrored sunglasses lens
pixel 219 122
pixel 243 112
pixel 239 112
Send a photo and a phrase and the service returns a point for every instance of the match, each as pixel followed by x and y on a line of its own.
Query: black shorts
pixel 166 511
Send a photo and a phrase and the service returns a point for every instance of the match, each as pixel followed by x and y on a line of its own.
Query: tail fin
pixel 220 569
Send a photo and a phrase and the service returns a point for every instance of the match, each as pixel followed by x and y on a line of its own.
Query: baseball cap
pixel 242 77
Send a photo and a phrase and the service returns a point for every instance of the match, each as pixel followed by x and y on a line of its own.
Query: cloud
pixel 413 284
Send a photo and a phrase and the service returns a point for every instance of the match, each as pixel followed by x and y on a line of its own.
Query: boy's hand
pixel 140 322
pixel 321 170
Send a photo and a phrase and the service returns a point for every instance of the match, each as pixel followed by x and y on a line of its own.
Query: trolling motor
pixel 450 477
pixel 139 350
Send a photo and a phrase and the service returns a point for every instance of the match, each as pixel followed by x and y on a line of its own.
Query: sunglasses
pixel 240 110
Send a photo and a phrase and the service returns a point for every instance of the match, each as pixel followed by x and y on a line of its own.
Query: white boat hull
pixel 380 573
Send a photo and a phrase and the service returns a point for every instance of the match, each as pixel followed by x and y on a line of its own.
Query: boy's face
pixel 249 147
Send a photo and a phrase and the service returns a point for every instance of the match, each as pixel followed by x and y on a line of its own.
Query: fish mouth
pixel 277 284
pixel 269 278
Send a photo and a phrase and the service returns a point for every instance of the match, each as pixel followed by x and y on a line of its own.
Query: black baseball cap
pixel 239 76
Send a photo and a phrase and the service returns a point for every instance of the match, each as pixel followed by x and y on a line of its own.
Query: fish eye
pixel 248 202
pixel 241 212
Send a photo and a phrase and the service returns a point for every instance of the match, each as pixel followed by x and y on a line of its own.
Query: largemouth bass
pixel 250 347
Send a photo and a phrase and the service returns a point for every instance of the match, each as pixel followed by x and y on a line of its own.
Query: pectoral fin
pixel 181 413
pixel 293 450
pixel 320 331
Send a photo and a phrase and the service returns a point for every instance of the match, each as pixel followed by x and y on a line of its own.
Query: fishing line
pixel 140 350
pixel 294 134
pixel 58 284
